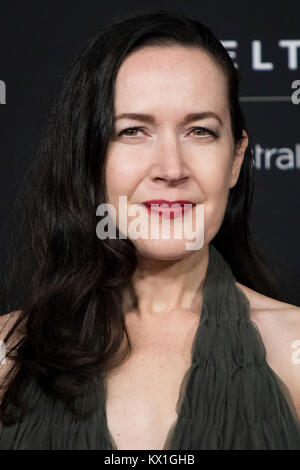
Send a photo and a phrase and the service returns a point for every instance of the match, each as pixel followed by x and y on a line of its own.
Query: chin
pixel 163 250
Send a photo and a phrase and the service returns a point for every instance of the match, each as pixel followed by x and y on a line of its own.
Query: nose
pixel 169 163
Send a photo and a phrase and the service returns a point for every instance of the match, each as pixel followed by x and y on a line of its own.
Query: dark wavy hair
pixel 69 284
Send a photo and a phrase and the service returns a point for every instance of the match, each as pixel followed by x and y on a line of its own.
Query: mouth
pixel 169 209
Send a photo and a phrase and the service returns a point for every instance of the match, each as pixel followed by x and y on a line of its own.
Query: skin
pixel 167 160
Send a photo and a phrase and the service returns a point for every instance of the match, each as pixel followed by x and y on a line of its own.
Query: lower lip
pixel 170 212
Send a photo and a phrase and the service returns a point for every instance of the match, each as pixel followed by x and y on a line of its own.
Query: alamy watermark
pixel 2 352
pixel 296 354
pixel 166 222
pixel 2 92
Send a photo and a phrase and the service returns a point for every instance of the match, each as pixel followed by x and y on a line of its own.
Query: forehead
pixel 161 78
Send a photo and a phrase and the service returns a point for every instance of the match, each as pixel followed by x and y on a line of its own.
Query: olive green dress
pixel 229 398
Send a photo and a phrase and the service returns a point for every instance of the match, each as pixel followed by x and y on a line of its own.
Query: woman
pixel 138 342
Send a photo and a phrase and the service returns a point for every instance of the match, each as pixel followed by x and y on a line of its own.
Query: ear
pixel 238 159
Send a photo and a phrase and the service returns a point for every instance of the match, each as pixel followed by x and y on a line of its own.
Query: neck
pixel 163 287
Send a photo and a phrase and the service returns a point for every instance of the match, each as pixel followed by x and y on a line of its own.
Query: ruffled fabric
pixel 51 426
pixel 229 397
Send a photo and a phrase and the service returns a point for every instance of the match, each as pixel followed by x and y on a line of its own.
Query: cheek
pixel 212 177
pixel 213 184
pixel 121 175
pixel 213 169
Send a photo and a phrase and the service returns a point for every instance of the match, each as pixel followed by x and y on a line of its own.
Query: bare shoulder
pixel 260 302
pixel 272 316
pixel 279 326
pixel 7 321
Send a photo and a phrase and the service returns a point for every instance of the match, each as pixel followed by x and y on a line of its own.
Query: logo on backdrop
pixel 282 158
pixel 271 157
pixel 259 60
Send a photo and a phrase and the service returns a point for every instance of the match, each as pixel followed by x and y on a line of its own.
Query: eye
pixel 130 131
pixel 205 130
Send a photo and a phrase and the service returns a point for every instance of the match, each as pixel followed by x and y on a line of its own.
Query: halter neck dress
pixel 229 397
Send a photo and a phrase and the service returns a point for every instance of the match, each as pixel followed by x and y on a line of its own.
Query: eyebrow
pixel 151 119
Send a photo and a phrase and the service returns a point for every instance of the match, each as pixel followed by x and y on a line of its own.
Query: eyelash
pixel 214 134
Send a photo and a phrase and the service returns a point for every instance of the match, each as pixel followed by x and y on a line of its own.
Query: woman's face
pixel 165 156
